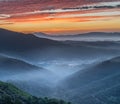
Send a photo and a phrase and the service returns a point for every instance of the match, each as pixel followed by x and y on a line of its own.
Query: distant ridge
pixel 73 35
pixel 92 36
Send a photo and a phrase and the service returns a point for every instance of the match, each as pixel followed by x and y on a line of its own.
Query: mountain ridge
pixel 72 35
pixel 92 36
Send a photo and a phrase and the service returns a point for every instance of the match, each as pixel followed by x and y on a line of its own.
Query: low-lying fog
pixel 64 68
pixel 90 37
pixel 52 71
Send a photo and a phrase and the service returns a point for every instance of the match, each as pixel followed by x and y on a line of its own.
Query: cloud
pixel 103 5
pixel 3 22
pixel 51 10
pixel 94 14
pixel 20 6
pixel 3 16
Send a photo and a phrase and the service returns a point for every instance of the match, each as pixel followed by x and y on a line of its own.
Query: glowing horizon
pixel 58 17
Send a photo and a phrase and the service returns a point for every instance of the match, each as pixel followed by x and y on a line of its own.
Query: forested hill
pixel 10 94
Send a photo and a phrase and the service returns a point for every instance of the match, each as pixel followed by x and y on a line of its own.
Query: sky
pixel 59 17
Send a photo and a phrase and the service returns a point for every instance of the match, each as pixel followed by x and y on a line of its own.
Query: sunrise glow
pixel 60 17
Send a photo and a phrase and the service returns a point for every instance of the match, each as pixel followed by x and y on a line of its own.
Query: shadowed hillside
pixel 98 84
pixel 12 66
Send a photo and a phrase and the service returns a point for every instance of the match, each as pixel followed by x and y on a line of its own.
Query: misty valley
pixel 80 71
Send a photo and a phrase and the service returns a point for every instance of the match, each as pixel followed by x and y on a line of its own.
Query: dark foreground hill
pixel 9 94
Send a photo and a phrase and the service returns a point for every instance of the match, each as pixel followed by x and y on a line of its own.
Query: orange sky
pixel 90 17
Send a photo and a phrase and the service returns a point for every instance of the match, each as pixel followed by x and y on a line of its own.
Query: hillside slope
pixel 11 66
pixel 10 94
pixel 96 85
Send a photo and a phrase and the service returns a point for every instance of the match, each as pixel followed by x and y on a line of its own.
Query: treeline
pixel 10 94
